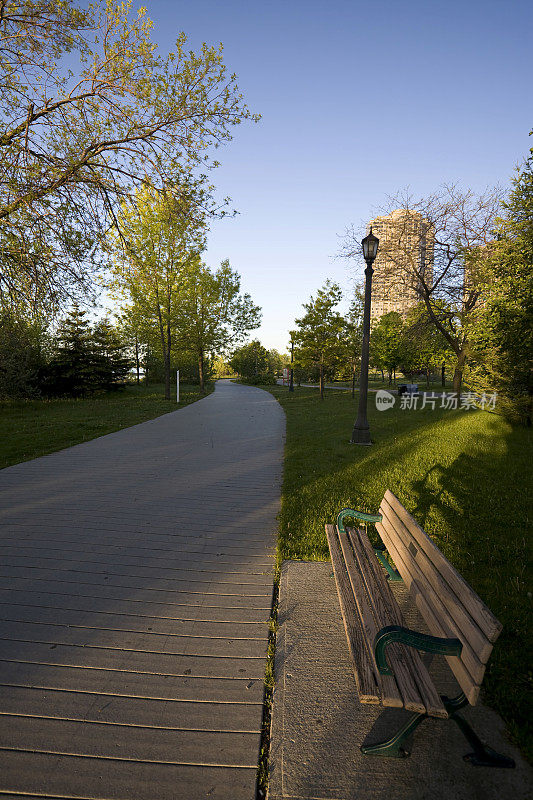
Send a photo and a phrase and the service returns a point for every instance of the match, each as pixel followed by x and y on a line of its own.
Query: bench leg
pixel 394 747
pixel 482 755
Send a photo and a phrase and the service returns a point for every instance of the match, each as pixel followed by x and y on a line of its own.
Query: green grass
pixel 31 428
pixel 375 382
pixel 464 475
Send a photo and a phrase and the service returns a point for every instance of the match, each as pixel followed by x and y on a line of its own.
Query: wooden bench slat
pixel 416 686
pixel 477 609
pixel 465 680
pixel 365 677
pixel 450 607
pixel 391 695
pixel 445 601
pixel 469 685
pixel 437 612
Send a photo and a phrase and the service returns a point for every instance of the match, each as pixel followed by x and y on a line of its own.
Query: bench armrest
pixel 421 641
pixel 360 515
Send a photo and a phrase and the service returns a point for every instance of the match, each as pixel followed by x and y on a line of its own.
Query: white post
pixel 177 386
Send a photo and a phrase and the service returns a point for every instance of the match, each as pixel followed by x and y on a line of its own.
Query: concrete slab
pixel 318 724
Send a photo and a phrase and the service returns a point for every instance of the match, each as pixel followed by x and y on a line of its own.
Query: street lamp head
pixel 370 247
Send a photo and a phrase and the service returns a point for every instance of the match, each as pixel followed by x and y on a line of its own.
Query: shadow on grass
pixel 475 509
pixel 464 475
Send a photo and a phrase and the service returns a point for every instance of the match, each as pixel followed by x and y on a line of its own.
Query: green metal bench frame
pixel 396 747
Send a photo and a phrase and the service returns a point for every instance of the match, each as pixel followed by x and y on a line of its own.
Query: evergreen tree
pixel 85 359
pixel 111 363
pixel 71 370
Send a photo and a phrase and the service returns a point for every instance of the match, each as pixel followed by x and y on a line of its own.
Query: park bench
pixel 408 388
pixel 385 652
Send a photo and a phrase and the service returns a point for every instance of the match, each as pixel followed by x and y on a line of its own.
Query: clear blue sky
pixel 358 100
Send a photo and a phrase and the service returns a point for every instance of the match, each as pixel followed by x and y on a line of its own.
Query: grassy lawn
pixel 462 474
pixel 33 428
pixel 375 382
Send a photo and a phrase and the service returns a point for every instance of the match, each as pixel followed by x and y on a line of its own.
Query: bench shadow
pixel 324 724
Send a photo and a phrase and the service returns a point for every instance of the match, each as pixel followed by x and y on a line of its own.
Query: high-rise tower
pixel 405 255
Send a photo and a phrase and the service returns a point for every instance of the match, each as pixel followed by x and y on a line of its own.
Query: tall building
pixel 405 252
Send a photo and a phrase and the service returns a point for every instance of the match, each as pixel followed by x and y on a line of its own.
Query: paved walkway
pixel 135 589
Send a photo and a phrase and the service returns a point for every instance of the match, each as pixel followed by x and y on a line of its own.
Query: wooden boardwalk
pixel 135 590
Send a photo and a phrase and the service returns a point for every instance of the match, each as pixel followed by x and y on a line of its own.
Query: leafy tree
pixel 320 332
pixel 213 314
pixel 22 356
pixel 276 361
pixel 354 334
pixel 423 345
pixel 502 331
pixel 154 259
pixel 251 360
pixel 45 262
pixel 131 331
pixel 386 342
pixel 72 143
pixel 221 368
pixel 435 250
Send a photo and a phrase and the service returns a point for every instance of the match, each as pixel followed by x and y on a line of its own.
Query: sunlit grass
pixel 34 428
pixel 464 475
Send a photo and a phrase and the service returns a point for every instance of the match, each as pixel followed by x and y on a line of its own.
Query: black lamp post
pixel 361 431
pixel 291 382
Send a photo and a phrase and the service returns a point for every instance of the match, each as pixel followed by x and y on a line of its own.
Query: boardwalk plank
pixel 134 607
pixel 111 708
pixel 71 777
pixel 133 661
pixel 231 690
pixel 136 576
pixel 137 623
pixel 122 640
pixel 152 744
pixel 113 590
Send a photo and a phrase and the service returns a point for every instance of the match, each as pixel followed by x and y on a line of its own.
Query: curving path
pixel 135 589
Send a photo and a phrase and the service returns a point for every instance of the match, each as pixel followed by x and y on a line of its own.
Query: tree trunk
pixel 390 377
pixel 443 375
pixel 321 382
pixel 428 373
pixel 353 381
pixel 458 374
pixel 382 377
pixel 201 371
pixel 167 373
pixel 137 364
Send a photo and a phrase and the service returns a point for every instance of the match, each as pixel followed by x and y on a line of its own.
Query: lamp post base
pixel 361 436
